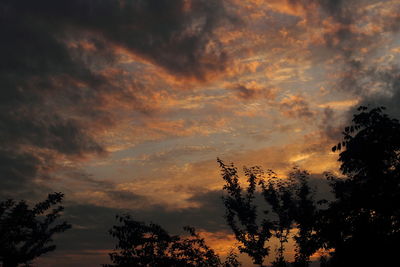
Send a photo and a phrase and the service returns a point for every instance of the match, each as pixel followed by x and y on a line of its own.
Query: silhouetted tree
pixel 149 245
pixel 232 260
pixel 278 193
pixel 305 214
pixel 362 225
pixel 323 262
pixel 241 212
pixel 288 202
pixel 26 233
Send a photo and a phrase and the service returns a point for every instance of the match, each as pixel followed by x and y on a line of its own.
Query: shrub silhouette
pixel 141 244
pixel 26 233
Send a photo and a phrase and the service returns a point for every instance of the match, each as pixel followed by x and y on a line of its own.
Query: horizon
pixel 125 106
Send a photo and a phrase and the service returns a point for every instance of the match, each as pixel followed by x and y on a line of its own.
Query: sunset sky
pixel 124 105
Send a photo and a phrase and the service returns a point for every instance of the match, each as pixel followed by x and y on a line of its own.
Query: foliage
pixel 360 227
pixel 305 214
pixel 232 260
pixel 278 193
pixel 365 217
pixel 241 212
pixel 27 233
pixel 288 203
pixel 140 244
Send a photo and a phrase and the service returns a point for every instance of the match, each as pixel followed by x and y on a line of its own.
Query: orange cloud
pixel 289 8
pixel 295 106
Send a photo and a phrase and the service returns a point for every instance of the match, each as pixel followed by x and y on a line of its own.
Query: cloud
pixel 331 126
pixel 354 39
pixel 15 168
pixel 57 77
pixel 177 34
pixel 340 31
pixel 89 234
pixel 295 106
pixel 81 78
pixel 384 85
pixel 90 225
pixel 252 90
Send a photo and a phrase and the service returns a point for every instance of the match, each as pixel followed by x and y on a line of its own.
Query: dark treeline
pixel 359 226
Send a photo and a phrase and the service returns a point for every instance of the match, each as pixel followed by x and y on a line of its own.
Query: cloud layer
pixel 56 83
pixel 124 105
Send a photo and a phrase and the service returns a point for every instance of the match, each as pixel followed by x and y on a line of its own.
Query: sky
pixel 125 105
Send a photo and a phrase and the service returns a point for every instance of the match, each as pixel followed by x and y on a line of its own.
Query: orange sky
pixel 257 82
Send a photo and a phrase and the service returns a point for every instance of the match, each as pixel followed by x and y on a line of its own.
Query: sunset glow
pixel 124 106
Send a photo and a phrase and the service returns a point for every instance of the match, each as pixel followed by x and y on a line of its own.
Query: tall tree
pixel 288 203
pixel 26 233
pixel 305 214
pixel 241 212
pixel 362 225
pixel 278 193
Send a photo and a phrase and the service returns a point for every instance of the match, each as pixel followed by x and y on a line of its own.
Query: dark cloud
pixel 124 196
pixel 330 126
pixel 86 180
pixel 110 193
pixel 175 34
pixel 375 86
pixel 341 38
pixel 340 10
pixel 14 168
pixel 90 225
pixel 356 34
pixel 296 107
pixel 91 222
pixel 244 92
pixel 254 91
pixel 384 87
pixel 53 73
pixel 346 32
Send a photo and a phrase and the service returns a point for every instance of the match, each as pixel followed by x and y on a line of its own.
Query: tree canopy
pixel 364 219
pixel 288 203
pixel 360 227
pixel 26 233
pixel 141 244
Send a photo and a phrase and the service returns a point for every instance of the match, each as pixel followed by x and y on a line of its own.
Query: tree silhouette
pixel 288 203
pixel 140 244
pixel 362 225
pixel 278 193
pixel 305 214
pixel 292 200
pixel 241 212
pixel 26 233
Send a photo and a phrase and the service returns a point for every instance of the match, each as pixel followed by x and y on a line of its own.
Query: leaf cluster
pixel 26 233
pixel 365 216
pixel 141 244
pixel 241 212
pixel 288 203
